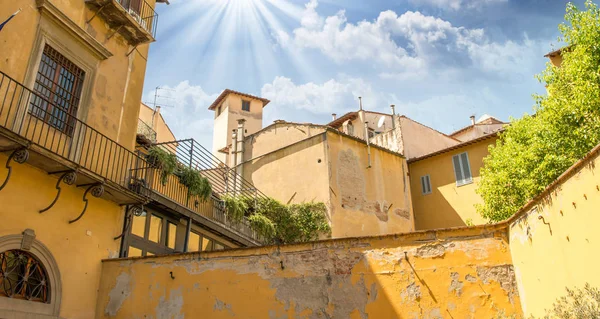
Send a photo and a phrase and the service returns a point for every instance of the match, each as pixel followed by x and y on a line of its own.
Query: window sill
pixel 464 183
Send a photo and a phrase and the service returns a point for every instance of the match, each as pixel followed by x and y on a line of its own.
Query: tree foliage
pixel 277 222
pixel 535 150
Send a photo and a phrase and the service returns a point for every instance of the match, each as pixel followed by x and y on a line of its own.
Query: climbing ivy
pixel 277 222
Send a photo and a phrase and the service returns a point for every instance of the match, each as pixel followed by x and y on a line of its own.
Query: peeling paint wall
pixel 464 273
pixel 555 244
pixel 447 205
pixel 367 201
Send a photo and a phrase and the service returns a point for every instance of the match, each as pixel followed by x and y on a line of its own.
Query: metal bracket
pixel 114 32
pixel 20 155
pixel 131 211
pixel 69 177
pixel 97 191
pixel 95 13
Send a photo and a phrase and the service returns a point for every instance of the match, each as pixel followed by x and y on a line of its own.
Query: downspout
pixel 393 107
pixel 233 159
pixel 240 150
pixel 368 144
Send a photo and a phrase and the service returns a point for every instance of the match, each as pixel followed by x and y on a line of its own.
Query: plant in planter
pixel 196 184
pixel 236 207
pixel 163 160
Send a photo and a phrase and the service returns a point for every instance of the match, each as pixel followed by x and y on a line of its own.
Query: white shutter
pixel 457 169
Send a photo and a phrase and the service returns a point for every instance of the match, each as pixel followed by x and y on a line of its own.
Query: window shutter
pixel 457 169
pixel 466 167
pixel 428 184
pixel 425 185
pixel 423 189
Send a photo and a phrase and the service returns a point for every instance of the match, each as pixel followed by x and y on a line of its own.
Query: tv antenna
pixel 381 122
pixel 158 95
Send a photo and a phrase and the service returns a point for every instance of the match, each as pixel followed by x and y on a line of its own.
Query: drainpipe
pixel 240 148
pixel 368 144
pixel 361 117
pixel 393 107
pixel 233 159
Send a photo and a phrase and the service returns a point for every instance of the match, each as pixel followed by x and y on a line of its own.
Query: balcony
pixel 224 181
pixel 135 20
pixel 61 144
pixel 145 134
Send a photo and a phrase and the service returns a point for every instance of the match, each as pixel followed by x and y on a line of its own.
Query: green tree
pixel 535 150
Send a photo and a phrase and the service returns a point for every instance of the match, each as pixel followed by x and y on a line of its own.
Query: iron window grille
pixel 22 276
pixel 59 83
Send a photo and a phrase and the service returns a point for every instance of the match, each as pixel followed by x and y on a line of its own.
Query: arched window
pixel 30 285
pixel 22 276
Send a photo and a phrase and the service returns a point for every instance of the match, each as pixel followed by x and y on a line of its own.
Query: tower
pixel 229 107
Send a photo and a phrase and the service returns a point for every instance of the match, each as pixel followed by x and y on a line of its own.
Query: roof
pixel 350 116
pixel 482 119
pixel 457 146
pixel 228 91
pixel 558 51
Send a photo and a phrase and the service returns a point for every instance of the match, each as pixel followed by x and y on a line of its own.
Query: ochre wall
pixel 447 205
pixel 276 136
pixel 157 123
pixel 294 174
pixel 116 89
pixel 79 247
pixel 418 139
pixel 554 245
pixel 463 273
pixel 366 201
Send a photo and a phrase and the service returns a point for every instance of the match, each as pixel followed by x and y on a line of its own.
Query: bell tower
pixel 230 107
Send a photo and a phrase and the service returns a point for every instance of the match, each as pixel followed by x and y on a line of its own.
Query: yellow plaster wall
pixel 418 139
pixel 79 247
pixel 366 201
pixel 464 273
pixel 157 122
pixel 554 245
pixel 276 136
pixel 293 174
pixel 117 86
pixel 447 205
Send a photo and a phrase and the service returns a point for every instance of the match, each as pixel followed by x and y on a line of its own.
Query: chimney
pixel 393 107
pixel 472 117
pixel 240 147
pixel 334 116
pixel 360 102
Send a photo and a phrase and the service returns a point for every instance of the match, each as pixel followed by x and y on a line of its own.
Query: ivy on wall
pixel 279 223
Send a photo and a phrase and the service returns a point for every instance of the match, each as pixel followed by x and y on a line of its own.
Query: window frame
pixel 464 167
pixel 243 102
pixel 144 243
pixel 424 190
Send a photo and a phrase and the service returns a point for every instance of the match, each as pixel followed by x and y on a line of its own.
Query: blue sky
pixel 438 61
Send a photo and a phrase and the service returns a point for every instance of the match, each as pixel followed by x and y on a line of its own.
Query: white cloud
pixel 457 4
pixel 185 109
pixel 411 44
pixel 332 96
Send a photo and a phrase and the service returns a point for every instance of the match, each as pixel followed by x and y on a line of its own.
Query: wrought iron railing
pixel 223 180
pixel 147 131
pixel 20 113
pixel 143 13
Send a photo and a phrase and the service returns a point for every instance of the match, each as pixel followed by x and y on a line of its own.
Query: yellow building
pixel 73 187
pixel 443 184
pixel 152 127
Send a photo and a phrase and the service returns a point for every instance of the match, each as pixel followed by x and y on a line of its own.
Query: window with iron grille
pixel 58 85
pixel 22 276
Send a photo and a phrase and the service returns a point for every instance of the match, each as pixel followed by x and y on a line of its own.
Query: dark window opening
pixel 58 85
pixel 245 105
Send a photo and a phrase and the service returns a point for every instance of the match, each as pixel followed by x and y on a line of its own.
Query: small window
pixel 462 169
pixel 245 105
pixel 22 276
pixel 58 87
pixel 350 129
pixel 194 241
pixel 425 185
pixel 171 235
pixel 371 133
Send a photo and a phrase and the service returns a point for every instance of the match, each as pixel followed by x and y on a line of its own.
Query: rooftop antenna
pixel 156 96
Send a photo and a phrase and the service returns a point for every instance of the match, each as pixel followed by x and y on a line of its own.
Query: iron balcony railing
pixel 223 180
pixel 43 123
pixel 143 13
pixel 146 131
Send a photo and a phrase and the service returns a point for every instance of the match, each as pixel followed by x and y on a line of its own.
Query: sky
pixel 438 61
